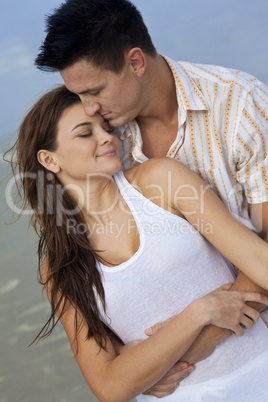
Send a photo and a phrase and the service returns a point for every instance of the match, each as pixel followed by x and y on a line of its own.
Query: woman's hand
pixel 225 309
pixel 228 309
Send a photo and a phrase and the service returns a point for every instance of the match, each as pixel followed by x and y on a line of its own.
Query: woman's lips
pixel 110 152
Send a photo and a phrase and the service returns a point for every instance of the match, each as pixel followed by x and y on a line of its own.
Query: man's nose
pixel 91 108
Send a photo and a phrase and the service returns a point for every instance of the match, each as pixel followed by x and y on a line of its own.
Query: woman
pixel 117 254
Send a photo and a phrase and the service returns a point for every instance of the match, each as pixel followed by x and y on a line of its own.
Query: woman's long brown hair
pixel 72 271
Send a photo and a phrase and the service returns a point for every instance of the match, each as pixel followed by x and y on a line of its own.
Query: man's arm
pixel 256 111
pixel 212 336
pixel 259 218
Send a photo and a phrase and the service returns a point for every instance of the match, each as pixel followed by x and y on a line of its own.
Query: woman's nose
pixel 105 136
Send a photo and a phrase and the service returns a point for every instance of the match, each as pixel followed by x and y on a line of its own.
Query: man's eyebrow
pixel 87 123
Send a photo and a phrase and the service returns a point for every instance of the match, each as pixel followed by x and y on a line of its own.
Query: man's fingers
pixel 175 378
pixel 170 381
pixel 180 369
pixel 161 390
pixel 161 394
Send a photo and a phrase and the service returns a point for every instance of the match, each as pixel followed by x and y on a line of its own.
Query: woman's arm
pixel 120 378
pixel 154 175
pixel 198 203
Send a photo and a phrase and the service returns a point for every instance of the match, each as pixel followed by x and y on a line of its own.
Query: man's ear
pixel 46 159
pixel 137 61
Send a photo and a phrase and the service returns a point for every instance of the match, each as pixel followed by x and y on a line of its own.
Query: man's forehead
pixel 83 76
pixel 83 67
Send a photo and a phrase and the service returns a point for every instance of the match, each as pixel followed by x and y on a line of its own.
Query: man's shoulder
pixel 220 75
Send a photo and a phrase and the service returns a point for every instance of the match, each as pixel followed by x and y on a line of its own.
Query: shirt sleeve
pixel 252 145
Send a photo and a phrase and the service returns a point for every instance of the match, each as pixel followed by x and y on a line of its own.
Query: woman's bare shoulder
pixel 153 171
pixel 151 166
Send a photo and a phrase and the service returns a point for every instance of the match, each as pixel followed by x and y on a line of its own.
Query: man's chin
pixel 119 121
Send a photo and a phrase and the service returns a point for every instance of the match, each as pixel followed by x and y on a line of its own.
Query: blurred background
pixel 231 33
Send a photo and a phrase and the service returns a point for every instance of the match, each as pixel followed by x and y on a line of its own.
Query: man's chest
pixel 202 142
pixel 156 140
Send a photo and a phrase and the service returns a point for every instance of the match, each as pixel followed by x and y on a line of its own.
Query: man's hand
pixel 244 284
pixel 170 382
pixel 211 336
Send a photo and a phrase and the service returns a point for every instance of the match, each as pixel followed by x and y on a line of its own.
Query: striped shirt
pixel 222 133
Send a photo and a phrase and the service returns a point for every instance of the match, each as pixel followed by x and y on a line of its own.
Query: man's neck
pixel 158 121
pixel 161 105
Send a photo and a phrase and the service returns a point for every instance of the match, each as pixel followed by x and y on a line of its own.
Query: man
pixel 212 119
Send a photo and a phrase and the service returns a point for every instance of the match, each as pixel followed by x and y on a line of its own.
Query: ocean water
pixel 46 372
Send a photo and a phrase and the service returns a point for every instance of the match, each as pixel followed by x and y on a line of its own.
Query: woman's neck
pixel 97 198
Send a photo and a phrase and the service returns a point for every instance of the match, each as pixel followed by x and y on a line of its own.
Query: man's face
pixel 117 97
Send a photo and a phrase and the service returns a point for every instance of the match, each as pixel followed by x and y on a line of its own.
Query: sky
pixel 231 33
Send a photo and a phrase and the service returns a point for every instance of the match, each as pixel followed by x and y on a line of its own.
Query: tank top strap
pixel 139 205
pixel 132 197
pixel 124 186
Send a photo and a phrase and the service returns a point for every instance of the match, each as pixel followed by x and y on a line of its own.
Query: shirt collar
pixel 189 96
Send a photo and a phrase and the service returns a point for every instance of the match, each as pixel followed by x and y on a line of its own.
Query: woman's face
pixel 85 145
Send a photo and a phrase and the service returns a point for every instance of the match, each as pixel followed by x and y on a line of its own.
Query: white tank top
pixel 173 266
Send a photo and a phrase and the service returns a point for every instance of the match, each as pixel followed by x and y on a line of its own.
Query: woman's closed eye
pixel 84 135
pixel 109 130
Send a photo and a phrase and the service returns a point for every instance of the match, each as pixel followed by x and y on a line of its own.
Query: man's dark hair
pixel 101 31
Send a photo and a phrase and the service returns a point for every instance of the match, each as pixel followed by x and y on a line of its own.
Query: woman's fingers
pixel 228 309
pixel 238 330
pixel 247 322
pixel 248 319
pixel 227 286
pixel 254 315
pixel 255 297
pixel 156 327
pixel 250 315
